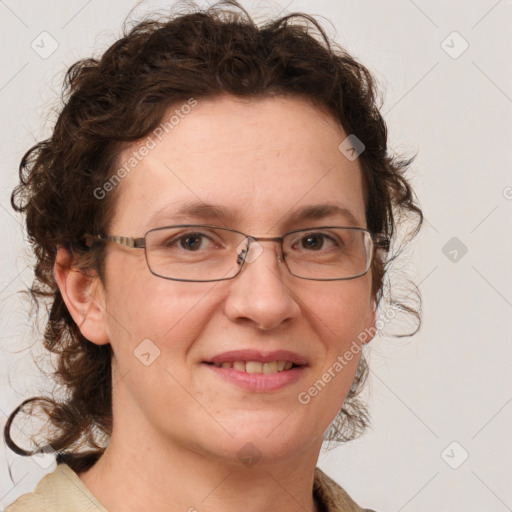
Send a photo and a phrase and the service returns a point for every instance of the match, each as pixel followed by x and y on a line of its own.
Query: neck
pixel 143 478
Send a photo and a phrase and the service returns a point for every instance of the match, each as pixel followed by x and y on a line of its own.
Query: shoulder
pixel 331 497
pixel 59 491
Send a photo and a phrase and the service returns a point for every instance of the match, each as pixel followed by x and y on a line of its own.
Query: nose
pixel 261 292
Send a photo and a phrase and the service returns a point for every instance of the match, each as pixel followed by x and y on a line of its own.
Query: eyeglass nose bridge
pixel 245 254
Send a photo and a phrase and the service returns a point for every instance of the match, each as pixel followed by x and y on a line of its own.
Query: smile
pixel 257 366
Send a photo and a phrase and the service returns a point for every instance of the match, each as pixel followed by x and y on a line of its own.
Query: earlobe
pixel 84 297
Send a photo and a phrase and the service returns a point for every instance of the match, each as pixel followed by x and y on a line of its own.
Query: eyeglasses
pixel 203 253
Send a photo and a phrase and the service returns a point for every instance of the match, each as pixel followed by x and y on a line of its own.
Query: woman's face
pixel 262 161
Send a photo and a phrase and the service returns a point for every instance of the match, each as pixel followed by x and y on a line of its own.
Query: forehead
pixel 259 161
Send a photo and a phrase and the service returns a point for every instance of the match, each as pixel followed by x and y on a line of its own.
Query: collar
pixel 331 497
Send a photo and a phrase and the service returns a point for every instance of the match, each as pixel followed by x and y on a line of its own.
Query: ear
pixel 84 297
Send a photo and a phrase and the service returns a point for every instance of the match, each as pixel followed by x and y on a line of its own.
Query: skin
pixel 177 427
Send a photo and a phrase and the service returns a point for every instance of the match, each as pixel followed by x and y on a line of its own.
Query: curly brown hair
pixel 116 100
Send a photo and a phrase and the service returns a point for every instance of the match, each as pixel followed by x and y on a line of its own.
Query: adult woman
pixel 217 242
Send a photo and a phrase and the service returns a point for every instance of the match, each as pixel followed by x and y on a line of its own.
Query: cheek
pixel 342 318
pixel 341 315
pixel 153 328
pixel 341 311
pixel 169 313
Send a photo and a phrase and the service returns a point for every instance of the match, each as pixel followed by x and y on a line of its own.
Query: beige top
pixel 63 491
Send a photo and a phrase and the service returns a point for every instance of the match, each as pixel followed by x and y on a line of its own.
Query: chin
pixel 264 441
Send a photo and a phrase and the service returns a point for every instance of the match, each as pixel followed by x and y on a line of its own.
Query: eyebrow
pixel 211 212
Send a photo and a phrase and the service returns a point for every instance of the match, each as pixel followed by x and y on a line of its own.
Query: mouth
pixel 255 371
pixel 258 367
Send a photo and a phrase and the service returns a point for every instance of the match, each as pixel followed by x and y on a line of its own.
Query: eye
pixel 317 241
pixel 190 242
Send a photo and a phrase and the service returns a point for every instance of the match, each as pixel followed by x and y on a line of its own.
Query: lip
pixel 258 382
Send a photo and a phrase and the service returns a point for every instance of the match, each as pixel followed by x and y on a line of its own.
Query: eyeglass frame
pixel 378 241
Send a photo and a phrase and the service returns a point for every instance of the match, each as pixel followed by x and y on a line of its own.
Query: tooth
pixel 253 367
pixel 239 365
pixel 270 367
pixel 280 365
pixel 288 365
pixel 226 364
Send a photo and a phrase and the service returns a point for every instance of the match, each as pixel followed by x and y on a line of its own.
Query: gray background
pixel 436 398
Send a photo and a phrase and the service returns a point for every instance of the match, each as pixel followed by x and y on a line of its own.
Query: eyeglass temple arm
pixel 126 241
